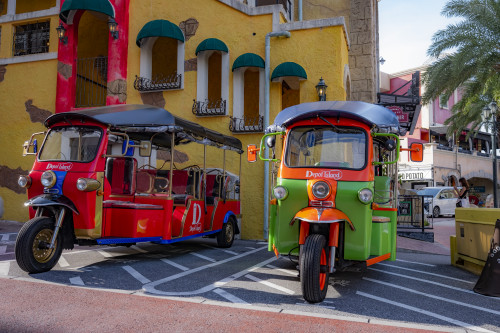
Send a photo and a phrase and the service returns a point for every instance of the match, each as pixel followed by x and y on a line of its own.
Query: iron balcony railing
pixel 159 83
pixel 209 108
pixel 246 124
pixel 91 81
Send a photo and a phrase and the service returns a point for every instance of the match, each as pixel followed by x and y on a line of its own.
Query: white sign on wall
pixel 415 175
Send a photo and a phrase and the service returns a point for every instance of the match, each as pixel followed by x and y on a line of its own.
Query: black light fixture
pixel 113 28
pixel 61 33
pixel 381 60
pixel 321 89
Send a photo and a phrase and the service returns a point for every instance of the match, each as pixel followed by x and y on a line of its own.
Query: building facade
pixel 202 60
pixel 444 156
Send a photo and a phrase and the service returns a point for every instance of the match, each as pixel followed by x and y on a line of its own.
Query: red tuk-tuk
pixel 95 182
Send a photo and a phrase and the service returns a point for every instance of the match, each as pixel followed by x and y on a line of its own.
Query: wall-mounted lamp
pixel 321 89
pixel 113 28
pixel 61 33
pixel 381 60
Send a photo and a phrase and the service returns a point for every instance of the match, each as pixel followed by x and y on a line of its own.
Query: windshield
pixel 428 191
pixel 339 147
pixel 77 144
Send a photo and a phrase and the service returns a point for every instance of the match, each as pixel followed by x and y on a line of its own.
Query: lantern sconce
pixel 321 89
pixel 61 33
pixel 113 28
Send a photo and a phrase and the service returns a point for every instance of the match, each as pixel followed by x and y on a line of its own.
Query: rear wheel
pixel 32 252
pixel 225 237
pixel 314 271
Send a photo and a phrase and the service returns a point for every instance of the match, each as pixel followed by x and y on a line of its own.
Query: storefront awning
pixel 159 28
pixel 211 44
pixel 249 60
pixel 69 8
pixel 288 69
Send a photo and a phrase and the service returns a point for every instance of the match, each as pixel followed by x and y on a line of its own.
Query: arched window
pixel 289 74
pixel 248 94
pixel 212 78
pixel 162 57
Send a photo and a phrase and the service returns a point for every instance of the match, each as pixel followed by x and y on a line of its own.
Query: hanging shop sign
pixel 415 175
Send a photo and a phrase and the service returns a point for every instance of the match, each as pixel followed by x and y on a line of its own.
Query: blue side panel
pixel 57 188
pixel 175 240
pixel 106 241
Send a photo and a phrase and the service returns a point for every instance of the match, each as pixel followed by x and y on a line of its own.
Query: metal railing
pixel 91 81
pixel 159 83
pixel 31 38
pixel 209 108
pixel 246 124
pixel 415 213
pixel 287 5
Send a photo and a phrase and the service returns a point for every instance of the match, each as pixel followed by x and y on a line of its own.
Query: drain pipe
pixel 267 77
pixel 300 10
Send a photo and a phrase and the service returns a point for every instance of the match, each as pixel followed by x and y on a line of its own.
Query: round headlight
pixel 48 178
pixel 321 189
pixel 24 181
pixel 87 184
pixel 280 192
pixel 365 195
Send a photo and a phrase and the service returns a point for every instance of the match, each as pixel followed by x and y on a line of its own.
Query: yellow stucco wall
pixel 242 33
pixel 25 6
pixel 321 51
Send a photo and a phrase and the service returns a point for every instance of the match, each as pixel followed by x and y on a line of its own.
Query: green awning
pixel 288 69
pixel 159 28
pixel 249 60
pixel 212 44
pixel 69 8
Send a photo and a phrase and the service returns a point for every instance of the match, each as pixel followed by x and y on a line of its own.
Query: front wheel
pixel 314 271
pixel 436 212
pixel 225 237
pixel 32 252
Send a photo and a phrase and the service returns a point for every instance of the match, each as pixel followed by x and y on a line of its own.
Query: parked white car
pixel 442 202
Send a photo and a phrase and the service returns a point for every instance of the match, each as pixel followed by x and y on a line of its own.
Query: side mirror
pixel 145 148
pixel 30 147
pixel 252 153
pixel 271 141
pixel 416 152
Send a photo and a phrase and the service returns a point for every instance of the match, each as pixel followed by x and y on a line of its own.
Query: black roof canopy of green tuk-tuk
pixel 377 117
pixel 143 122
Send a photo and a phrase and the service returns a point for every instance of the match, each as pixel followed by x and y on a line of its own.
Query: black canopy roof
pixel 370 114
pixel 146 121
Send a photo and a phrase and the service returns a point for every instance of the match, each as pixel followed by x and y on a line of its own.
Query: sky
pixel 406 28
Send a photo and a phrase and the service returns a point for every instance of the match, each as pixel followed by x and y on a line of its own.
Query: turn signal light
pixel 87 184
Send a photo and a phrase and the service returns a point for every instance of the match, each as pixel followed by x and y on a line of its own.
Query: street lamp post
pixel 491 111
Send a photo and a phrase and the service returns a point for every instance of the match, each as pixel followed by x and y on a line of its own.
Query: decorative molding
pixel 29 58
pixel 31 15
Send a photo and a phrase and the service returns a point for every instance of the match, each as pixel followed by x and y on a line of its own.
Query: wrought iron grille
pixel 209 108
pixel 158 83
pixel 91 81
pixel 31 38
pixel 246 124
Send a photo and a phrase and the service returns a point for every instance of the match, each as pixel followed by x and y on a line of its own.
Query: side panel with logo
pixel 188 220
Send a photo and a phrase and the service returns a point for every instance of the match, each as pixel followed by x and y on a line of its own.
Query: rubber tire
pixel 314 284
pixel 225 237
pixel 26 240
pixel 436 211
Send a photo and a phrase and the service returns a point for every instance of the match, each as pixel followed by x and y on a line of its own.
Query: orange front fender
pixel 322 215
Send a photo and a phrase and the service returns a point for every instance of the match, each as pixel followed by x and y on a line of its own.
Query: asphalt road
pixel 418 291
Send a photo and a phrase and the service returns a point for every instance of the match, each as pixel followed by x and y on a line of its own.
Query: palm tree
pixel 468 58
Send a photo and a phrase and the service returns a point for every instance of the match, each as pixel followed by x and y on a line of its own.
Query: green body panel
pixel 383 238
pixel 382 193
pixel 285 236
pixel 356 243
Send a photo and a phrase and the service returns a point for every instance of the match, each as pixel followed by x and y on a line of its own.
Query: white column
pixel 11 7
